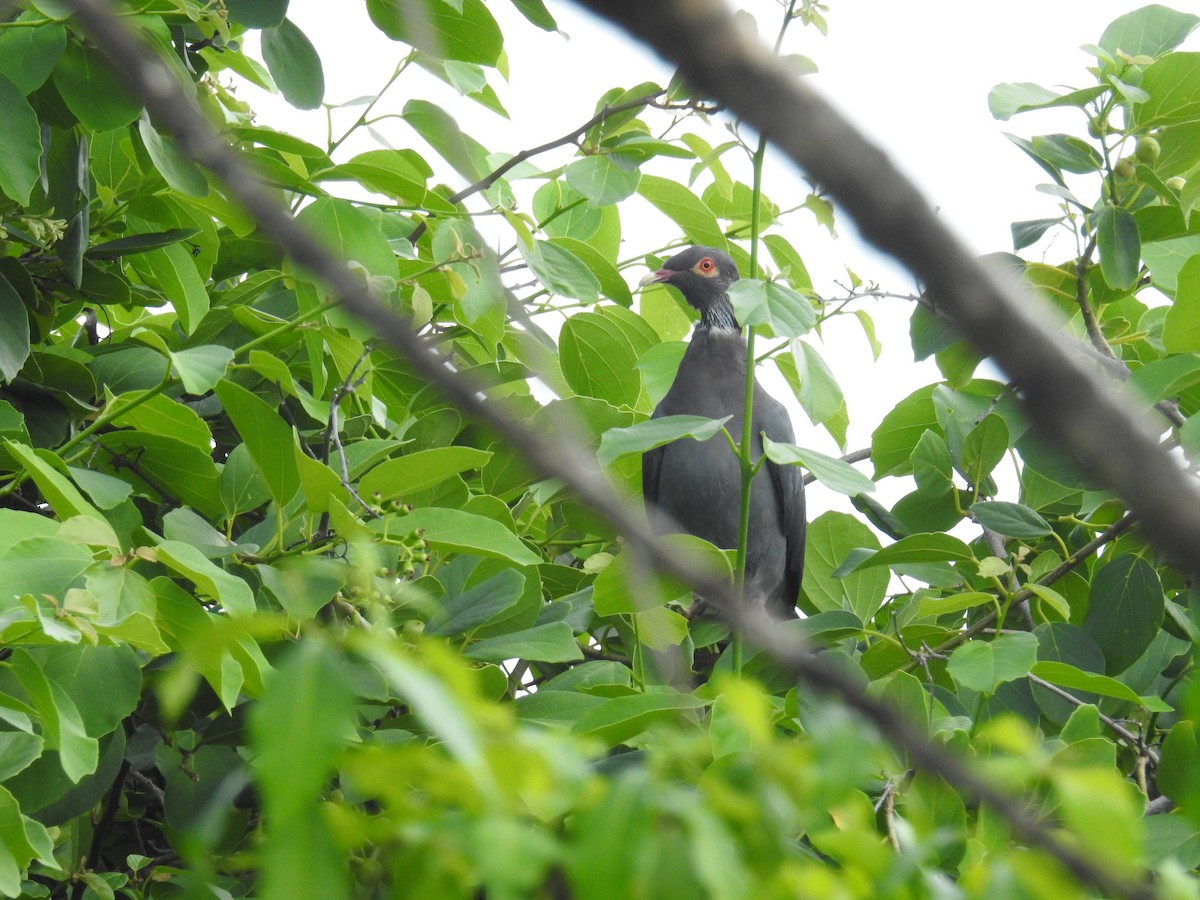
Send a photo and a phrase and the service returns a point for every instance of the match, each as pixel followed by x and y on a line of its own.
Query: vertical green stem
pixel 747 443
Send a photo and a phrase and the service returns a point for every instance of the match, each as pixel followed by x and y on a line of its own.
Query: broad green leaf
pixel 91 91
pixel 604 180
pixel 104 683
pixel 257 13
pixel 462 30
pixel 1181 328
pixel 789 261
pixel 983 448
pixel 893 442
pixel 183 470
pixel 62 726
pixel 479 604
pixel 1006 100
pixel 612 284
pixel 1173 84
pixel 685 209
pixel 176 168
pixel 1178 773
pixel 294 64
pixel 14 337
pixel 1028 232
pixel 623 587
pixel 172 270
pixel 456 530
pixel 405 475
pixel 211 580
pixel 1067 676
pixel 917 548
pixel 1149 31
pixel 535 11
pixel 598 353
pixel 938 606
pixel 399 174
pixel 561 271
pixel 776 307
pixel 270 440
pixel 40 565
pixel 21 148
pixel 832 537
pixel 620 718
pixel 833 473
pixel 617 442
pixel 553 642
pixel 1125 610
pixel 1120 246
pixel 440 130
pixel 158 414
pixel 60 493
pixel 200 368
pixel 349 232
pixel 1010 519
pixel 28 55
pixel 984 665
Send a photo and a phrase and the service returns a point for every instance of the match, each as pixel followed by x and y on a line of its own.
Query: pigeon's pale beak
pixel 657 277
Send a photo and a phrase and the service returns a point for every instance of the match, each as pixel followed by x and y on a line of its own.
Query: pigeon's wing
pixel 651 468
pixel 775 423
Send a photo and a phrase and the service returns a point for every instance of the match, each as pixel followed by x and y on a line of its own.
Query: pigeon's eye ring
pixel 706 266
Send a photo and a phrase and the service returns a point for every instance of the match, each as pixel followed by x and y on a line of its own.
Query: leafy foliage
pixel 279 621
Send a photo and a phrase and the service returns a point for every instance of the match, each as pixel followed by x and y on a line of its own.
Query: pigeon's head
pixel 702 274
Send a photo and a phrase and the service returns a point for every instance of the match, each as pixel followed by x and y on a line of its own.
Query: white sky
pixel 914 76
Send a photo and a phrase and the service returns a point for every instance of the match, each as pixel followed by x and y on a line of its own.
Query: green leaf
pixel 478 605
pixel 257 13
pixel 1173 84
pixel 62 727
pixel 604 180
pixel 621 718
pixel 535 11
pixel 41 565
pixel 832 537
pixel 553 642
pixel 1006 100
pixel 28 55
pixel 405 475
pixel 440 130
pixel 1028 232
pixel 200 368
pixel 176 168
pixel 617 442
pixel 464 532
pixel 773 305
pixel 984 665
pixel 983 448
pixel 1149 31
pixel 940 606
pixel 1010 519
pixel 1181 327
pixel 172 270
pixel 21 148
pixel 294 64
pixel 599 351
pixel 917 548
pixel 211 580
pixel 270 440
pixel 139 243
pixel 1067 676
pixel 349 232
pixel 833 473
pixel 462 30
pixel 1120 246
pixel 1178 773
pixel 561 271
pixel 60 493
pixel 1125 610
pixel 685 209
pixel 14 336
pixel 91 90
pixel 897 436
pixel 161 415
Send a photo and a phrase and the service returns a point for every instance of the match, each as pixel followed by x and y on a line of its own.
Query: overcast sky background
pixel 914 76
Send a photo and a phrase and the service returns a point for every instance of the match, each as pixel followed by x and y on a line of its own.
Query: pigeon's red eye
pixel 707 265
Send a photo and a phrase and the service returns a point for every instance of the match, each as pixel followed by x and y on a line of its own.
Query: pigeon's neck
pixel 718 317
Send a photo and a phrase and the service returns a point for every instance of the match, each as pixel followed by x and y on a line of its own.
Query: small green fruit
pixel 1124 168
pixel 1176 183
pixel 1148 150
pixel 1097 127
pixel 412 631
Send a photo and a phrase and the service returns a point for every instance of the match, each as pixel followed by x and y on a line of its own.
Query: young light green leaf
pixel 211 580
pixel 1065 675
pixel 617 442
pixel 457 530
pixel 833 473
pixel 984 665
pixel 270 440
pixel 422 469
pixel 773 305
pixel 917 548
pixel 553 642
pixel 200 368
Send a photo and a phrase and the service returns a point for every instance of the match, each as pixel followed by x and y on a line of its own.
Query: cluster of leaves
pixel 278 620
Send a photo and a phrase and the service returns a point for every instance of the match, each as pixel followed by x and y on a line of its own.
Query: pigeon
pixel 695 485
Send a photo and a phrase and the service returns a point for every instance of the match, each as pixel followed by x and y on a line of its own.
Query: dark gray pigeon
pixel 696 484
